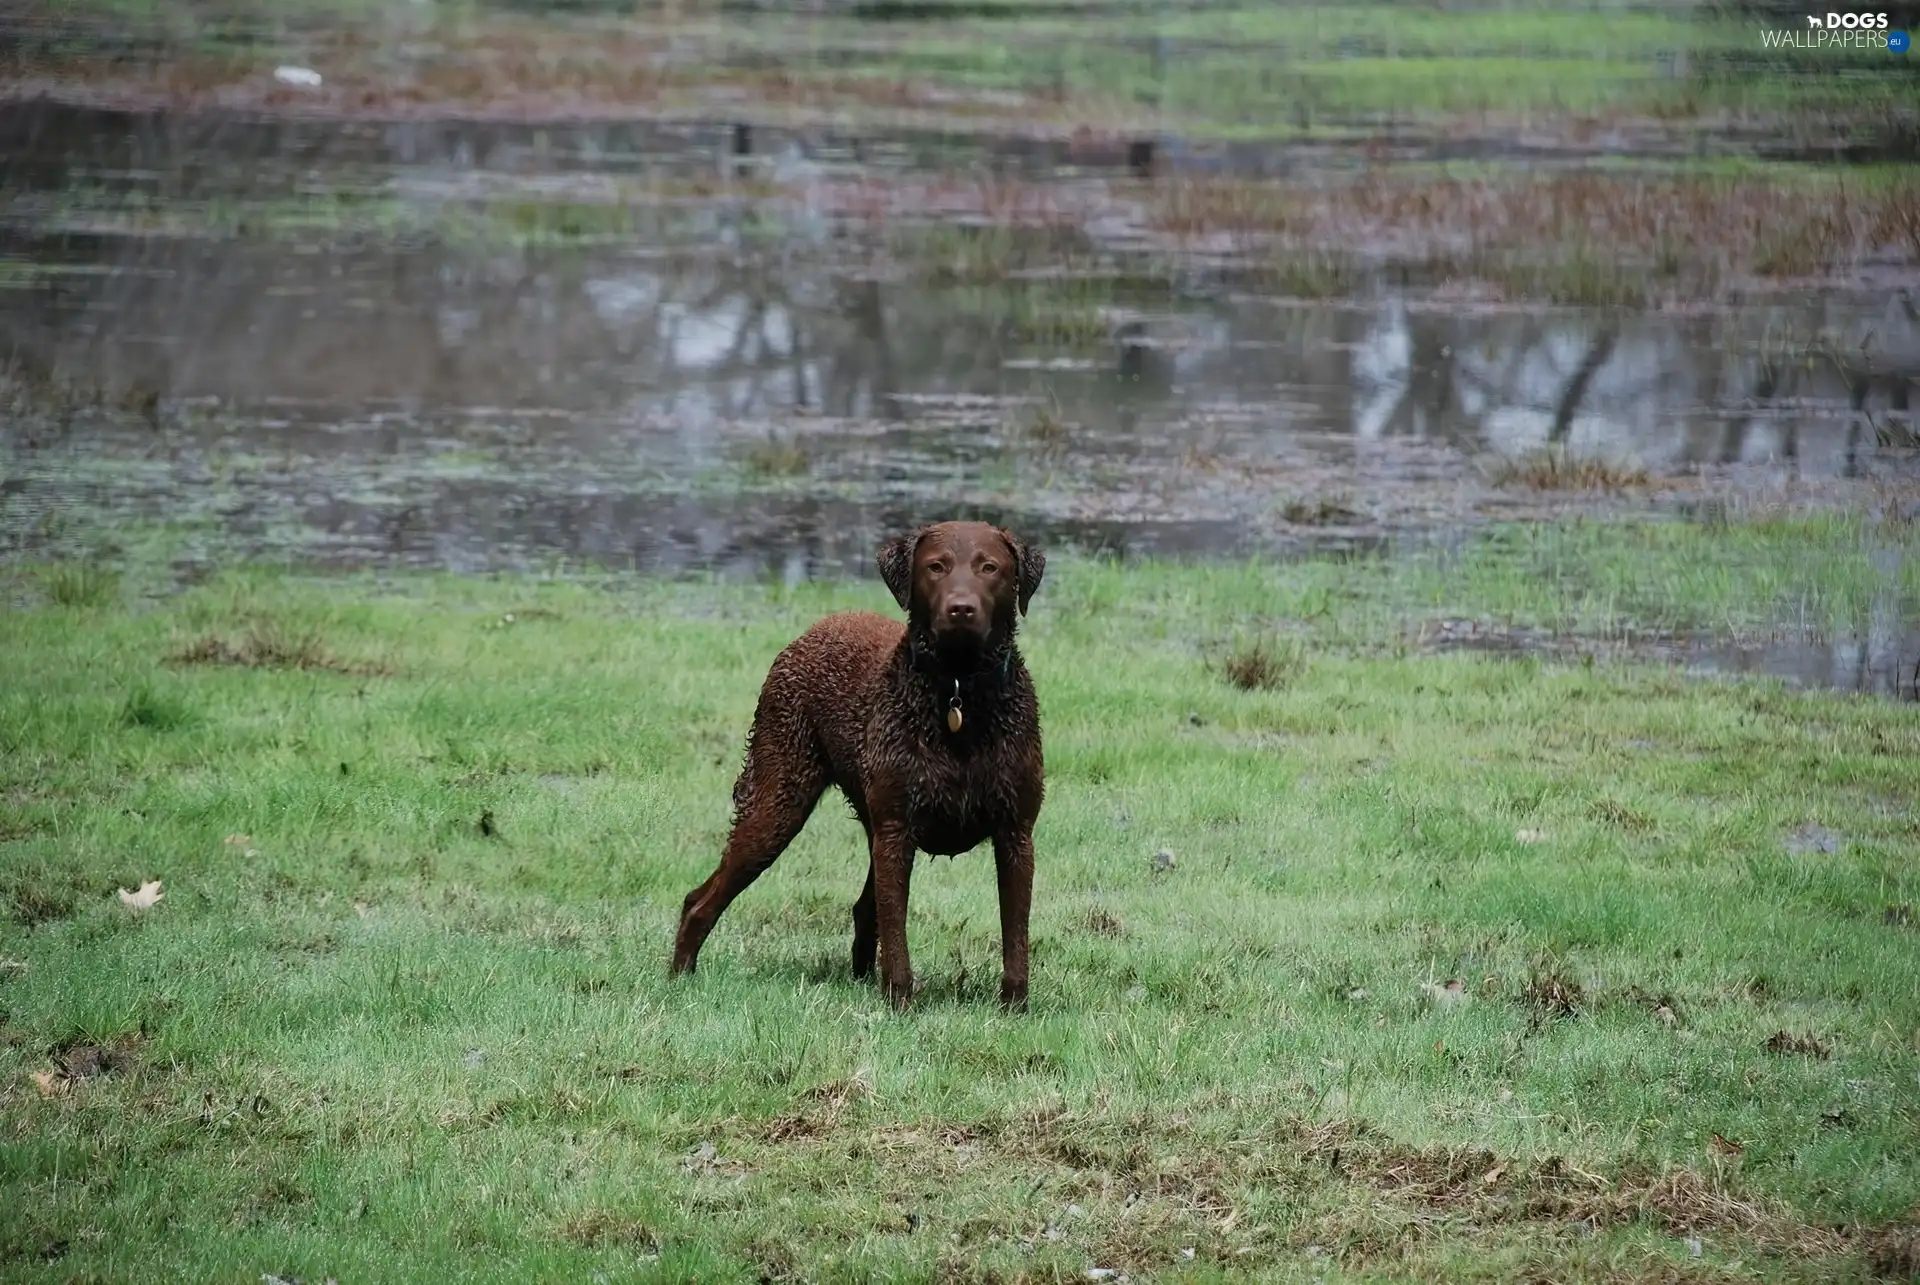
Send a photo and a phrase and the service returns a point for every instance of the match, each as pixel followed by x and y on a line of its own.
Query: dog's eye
pixel 988 568
pixel 937 568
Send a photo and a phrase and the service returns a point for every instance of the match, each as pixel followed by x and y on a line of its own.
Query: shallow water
pixel 755 390
pixel 487 407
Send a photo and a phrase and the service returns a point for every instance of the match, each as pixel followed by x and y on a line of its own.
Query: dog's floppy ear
pixel 896 565
pixel 1029 565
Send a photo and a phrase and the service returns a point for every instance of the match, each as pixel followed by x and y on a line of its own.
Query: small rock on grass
pixel 1163 860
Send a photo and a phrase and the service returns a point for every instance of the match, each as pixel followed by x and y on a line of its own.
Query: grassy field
pixel 1250 70
pixel 1461 968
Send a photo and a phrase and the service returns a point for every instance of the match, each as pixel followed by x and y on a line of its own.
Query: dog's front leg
pixel 892 875
pixel 1013 870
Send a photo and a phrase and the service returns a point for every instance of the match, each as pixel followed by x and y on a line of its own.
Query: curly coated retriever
pixel 932 731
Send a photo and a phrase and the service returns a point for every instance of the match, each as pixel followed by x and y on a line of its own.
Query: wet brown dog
pixel 930 729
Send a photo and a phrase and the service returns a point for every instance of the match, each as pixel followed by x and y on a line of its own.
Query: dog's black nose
pixel 961 611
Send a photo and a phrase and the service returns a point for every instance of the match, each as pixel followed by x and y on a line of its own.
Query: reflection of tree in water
pixel 1816 391
pixel 698 343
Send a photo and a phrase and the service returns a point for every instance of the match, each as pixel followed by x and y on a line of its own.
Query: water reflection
pixel 774 416
pixel 604 352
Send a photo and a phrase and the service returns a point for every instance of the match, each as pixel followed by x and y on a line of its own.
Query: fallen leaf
pixel 1724 1146
pixel 50 1083
pixel 1666 1016
pixel 1530 836
pixel 238 841
pixel 1492 1175
pixel 145 899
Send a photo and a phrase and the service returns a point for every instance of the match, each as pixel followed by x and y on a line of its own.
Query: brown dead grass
pixel 1551 995
pixel 1893 1253
pixel 1320 510
pixel 1559 470
pixel 1786 1044
pixel 1620 816
pixel 1628 231
pixel 77 1061
pixel 271 647
pixel 1152 1181
pixel 1263 666
pixel 503 69
pixel 819 1110
pixel 600 1228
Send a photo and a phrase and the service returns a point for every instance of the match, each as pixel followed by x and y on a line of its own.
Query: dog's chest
pixel 956 802
pixel 957 790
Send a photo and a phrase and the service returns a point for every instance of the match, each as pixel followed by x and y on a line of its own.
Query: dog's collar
pixel 925 662
pixel 950 687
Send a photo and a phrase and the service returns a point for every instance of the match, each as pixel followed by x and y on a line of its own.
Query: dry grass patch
pixel 602 1228
pixel 273 647
pixel 1787 1044
pixel 1135 1186
pixel 1264 666
pixel 1556 469
pixel 819 1110
pixel 1701 231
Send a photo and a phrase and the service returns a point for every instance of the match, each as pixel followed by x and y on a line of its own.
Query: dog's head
pixel 961 583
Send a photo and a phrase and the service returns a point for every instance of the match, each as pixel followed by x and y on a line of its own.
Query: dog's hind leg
pixel 783 779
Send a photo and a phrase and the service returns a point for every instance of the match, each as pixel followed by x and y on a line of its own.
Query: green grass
pixel 366 1035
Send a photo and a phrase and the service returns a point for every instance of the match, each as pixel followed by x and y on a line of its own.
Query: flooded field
pixel 422 421
pixel 684 347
